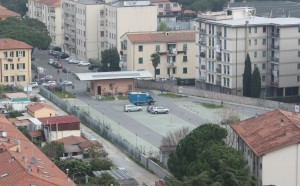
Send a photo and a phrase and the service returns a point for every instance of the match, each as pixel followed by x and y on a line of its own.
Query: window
pixel 160 5
pixel 157 71
pixel 264 41
pixel 255 54
pixel 249 42
pixel 263 66
pixel 184 59
pixel 11 54
pixel 249 30
pixel 5 78
pixel 255 29
pixel 21 78
pixel 264 54
pixel 298 78
pixel 225 44
pixel 140 48
pixel 5 66
pixel 298 53
pixel 299 29
pixel 102 34
pixel 184 70
pixel 157 48
pixel 263 78
pixel 174 70
pixel 184 46
pixel 21 66
pixel 140 60
pixel 12 66
pixel 298 65
pixel 5 54
pixel 225 32
pixel 264 29
pixel 255 41
pixel 20 53
pixel 298 41
pixel 12 78
pixel 175 4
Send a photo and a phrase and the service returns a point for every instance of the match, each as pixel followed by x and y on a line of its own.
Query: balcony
pixel 218 70
pixel 274 83
pixel 202 42
pixel 202 31
pixel 275 34
pixel 275 59
pixel 275 46
pixel 171 64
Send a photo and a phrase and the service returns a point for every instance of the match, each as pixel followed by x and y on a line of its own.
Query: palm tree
pixel 155 58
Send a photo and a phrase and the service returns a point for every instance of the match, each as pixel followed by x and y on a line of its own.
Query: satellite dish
pixel 4 134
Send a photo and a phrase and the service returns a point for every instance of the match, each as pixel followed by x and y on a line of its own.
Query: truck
pixel 140 98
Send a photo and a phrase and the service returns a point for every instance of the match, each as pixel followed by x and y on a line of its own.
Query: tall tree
pixel 155 58
pixel 53 150
pixel 110 60
pixel 255 83
pixel 247 77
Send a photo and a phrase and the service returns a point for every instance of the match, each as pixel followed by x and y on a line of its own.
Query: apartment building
pixel 48 12
pixel 167 11
pixel 176 49
pixel 270 144
pixel 15 62
pixel 92 26
pixel 225 38
pixel 5 13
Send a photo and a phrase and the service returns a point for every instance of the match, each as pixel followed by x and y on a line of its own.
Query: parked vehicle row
pixel 55 64
pixel 150 109
pixel 58 54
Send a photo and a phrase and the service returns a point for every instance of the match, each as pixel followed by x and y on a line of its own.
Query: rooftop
pixel 161 37
pixel 131 3
pixel 4 12
pixel 38 106
pixel 49 2
pixel 22 163
pixel 269 131
pixel 10 44
pixel 59 120
pixel 113 75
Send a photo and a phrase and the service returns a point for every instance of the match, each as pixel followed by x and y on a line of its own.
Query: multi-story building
pixel 176 49
pixel 167 10
pixel 48 12
pixel 15 62
pixel 92 26
pixel 226 37
pixel 5 13
pixel 270 144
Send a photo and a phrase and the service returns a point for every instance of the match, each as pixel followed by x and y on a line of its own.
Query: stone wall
pixel 154 167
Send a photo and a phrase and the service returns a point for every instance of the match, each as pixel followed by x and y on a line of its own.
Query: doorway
pixel 98 90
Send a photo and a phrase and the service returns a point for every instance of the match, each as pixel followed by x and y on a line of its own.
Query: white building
pixel 224 39
pixel 48 12
pixel 92 26
pixel 270 144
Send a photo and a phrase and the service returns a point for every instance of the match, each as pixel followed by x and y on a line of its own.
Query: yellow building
pixel 15 62
pixel 39 110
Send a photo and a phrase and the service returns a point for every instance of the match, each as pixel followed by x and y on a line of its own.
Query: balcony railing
pixel 275 47
pixel 275 59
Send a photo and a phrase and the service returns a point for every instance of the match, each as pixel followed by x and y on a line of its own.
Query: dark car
pixel 58 65
pixel 64 56
pixel 94 67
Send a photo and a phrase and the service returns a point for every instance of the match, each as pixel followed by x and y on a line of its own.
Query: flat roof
pixel 113 75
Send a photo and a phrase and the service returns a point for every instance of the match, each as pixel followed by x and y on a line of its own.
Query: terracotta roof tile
pixel 50 2
pixel 7 13
pixel 38 105
pixel 159 1
pixel 71 140
pixel 35 133
pixel 17 166
pixel 269 131
pixel 59 120
pixel 8 44
pixel 155 37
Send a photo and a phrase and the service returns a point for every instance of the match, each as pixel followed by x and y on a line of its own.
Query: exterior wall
pixel 50 16
pixel 42 113
pixel 282 166
pixel 167 8
pixel 112 86
pixel 15 70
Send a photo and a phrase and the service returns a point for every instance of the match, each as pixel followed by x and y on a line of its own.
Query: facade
pixel 5 13
pixel 22 163
pixel 167 11
pixel 100 25
pixel 112 83
pixel 39 110
pixel 176 49
pixel 15 62
pixel 58 127
pixel 225 38
pixel 48 12
pixel 270 144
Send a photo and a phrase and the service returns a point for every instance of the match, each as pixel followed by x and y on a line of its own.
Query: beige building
pixel 92 26
pixel 176 49
pixel 224 39
pixel 39 110
pixel 15 62
pixel 270 144
pixel 48 12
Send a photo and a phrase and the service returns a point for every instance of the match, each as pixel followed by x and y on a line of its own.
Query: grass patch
pixel 108 98
pixel 209 105
pixel 63 94
pixel 171 95
pixel 121 97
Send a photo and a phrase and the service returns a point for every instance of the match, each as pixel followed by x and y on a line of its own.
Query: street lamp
pixel 108 65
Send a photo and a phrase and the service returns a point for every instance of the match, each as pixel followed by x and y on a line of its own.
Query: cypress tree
pixel 247 77
pixel 255 83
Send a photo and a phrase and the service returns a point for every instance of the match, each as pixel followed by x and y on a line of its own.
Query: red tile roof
pixel 269 131
pixel 159 1
pixel 154 37
pixel 35 133
pixel 76 140
pixel 37 106
pixel 59 120
pixel 4 12
pixel 17 165
pixel 49 2
pixel 10 44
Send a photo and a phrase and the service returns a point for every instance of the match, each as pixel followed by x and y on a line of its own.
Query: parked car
pixel 50 61
pixel 54 53
pixel 83 63
pixel 93 66
pixel 161 79
pixel 58 65
pixel 40 75
pixel 33 84
pixel 48 78
pixel 73 61
pixel 64 56
pixel 159 110
pixel 66 83
pixel 69 58
pixel 49 83
pixel 132 108
pixel 54 63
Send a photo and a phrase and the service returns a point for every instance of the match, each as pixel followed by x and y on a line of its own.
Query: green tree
pixel 24 131
pixel 163 27
pixel 155 58
pixel 105 179
pixel 19 30
pixel 110 60
pixel 100 164
pixel 247 77
pixel 18 6
pixel 255 83
pixel 76 167
pixel 96 150
pixel 53 150
pixel 203 158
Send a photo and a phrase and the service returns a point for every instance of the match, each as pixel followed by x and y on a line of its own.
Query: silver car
pixel 132 108
pixel 159 110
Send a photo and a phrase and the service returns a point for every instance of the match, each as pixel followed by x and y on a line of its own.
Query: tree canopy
pixel 247 77
pixel 255 83
pixel 203 158
pixel 32 32
pixel 110 60
pixel 53 150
